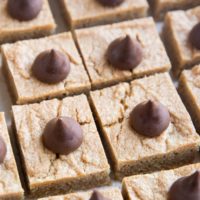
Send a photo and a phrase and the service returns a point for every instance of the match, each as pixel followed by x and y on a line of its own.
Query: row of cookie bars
pixel 175 146
pixel 155 186
pixel 34 19
pixel 91 69
pixel 94 72
pixel 101 11
pixel 49 173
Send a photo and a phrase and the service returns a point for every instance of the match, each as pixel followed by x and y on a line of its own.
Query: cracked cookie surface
pixel 176 35
pixel 155 186
pixel 192 80
pixel 30 121
pixel 12 29
pixel 10 185
pixel 189 89
pixel 28 88
pixel 94 42
pixel 113 106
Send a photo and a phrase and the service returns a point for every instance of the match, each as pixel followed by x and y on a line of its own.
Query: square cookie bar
pixel 155 186
pixel 10 186
pixel 94 42
pixel 131 152
pixel 176 36
pixel 19 57
pixel 160 7
pixel 110 193
pixel 189 89
pixel 48 173
pixel 90 12
pixel 12 29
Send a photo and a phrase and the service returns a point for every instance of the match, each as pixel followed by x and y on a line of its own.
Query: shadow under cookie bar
pixel 132 153
pixel 154 186
pixel 189 89
pixel 18 59
pixel 48 173
pixel 112 193
pixel 176 38
pixel 86 13
pixel 94 42
pixel 161 7
pixel 10 183
pixel 12 29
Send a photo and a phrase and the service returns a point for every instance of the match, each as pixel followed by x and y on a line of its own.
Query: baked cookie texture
pixel 25 88
pixel 189 89
pixel 12 29
pixel 154 186
pixel 130 152
pixel 90 12
pixel 176 33
pixel 93 44
pixel 111 193
pixel 160 7
pixel 51 174
pixel 10 186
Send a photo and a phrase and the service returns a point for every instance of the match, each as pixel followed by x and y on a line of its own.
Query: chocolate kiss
pixel 97 196
pixel 3 150
pixel 186 188
pixel 51 67
pixel 24 10
pixel 124 53
pixel 194 36
pixel 62 135
pixel 110 3
pixel 149 118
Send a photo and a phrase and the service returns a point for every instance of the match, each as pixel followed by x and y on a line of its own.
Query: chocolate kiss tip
pixel 150 106
pixel 126 41
pixel 53 54
pixel 150 103
pixel 96 195
pixel 127 38
pixel 195 177
pixel 186 188
pixel 59 122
